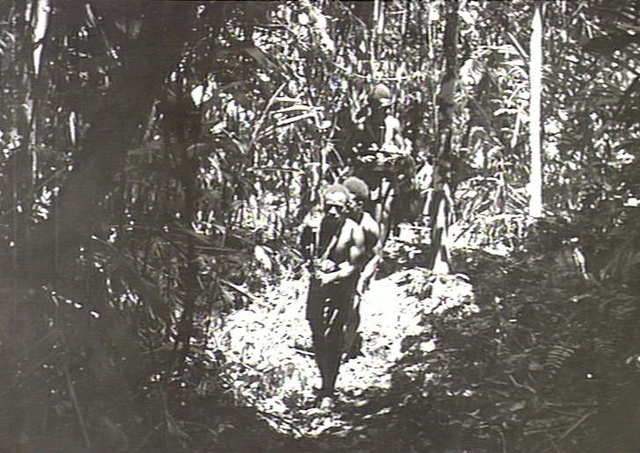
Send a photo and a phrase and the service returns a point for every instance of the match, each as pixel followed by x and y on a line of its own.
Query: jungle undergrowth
pixel 268 364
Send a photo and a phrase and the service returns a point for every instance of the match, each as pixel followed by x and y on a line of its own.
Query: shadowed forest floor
pixel 270 368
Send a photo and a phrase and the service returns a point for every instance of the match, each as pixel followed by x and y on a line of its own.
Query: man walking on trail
pixel 359 197
pixel 335 244
pixel 383 155
pixel 382 140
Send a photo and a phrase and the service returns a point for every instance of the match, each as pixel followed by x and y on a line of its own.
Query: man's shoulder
pixel 367 217
pixel 363 219
pixel 369 224
pixel 350 223
pixel 352 227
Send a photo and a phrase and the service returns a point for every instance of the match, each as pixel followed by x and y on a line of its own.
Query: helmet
pixel 380 92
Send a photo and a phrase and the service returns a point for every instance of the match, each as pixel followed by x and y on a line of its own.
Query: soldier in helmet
pixel 381 154
pixel 382 129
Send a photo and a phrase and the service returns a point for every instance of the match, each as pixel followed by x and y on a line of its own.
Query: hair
pixel 337 188
pixel 357 187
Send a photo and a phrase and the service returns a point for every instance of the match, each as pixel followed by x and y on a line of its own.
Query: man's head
pixel 358 190
pixel 336 198
pixel 381 94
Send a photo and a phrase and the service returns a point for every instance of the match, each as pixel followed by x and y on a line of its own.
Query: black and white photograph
pixel 320 226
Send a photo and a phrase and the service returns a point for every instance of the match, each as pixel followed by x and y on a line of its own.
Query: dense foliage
pixel 157 158
pixel 545 362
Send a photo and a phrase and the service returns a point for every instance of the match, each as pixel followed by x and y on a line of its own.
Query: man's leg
pixel 334 341
pixel 383 209
pixel 352 339
pixel 315 317
pixel 319 347
pixel 335 331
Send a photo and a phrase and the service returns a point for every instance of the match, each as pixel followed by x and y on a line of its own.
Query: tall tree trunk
pixel 440 203
pixel 189 274
pixel 535 76
pixel 24 329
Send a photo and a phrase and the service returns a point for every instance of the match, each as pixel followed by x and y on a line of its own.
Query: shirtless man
pixel 335 244
pixel 359 192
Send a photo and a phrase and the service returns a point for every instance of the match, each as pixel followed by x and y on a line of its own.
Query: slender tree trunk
pixel 25 328
pixel 440 203
pixel 535 76
pixel 374 34
pixel 189 275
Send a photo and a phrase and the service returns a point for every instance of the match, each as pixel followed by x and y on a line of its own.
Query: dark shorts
pixel 328 298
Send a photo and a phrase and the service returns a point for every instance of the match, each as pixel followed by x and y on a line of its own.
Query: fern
pixel 626 310
pixel 605 348
pixel 557 357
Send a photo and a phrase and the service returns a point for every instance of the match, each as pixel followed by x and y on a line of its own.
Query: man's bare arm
pixel 372 264
pixel 392 135
pixel 356 255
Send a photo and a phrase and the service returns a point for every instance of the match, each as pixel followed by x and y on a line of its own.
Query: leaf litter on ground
pixel 270 366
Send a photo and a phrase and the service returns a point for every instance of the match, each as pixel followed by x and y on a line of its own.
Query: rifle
pixel 322 263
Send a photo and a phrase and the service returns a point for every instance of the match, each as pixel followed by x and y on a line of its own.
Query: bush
pixel 547 359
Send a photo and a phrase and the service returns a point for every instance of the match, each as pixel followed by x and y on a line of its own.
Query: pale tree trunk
pixel 440 204
pixel 535 76
pixel 374 34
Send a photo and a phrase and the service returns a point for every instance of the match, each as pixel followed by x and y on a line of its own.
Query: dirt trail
pixel 269 366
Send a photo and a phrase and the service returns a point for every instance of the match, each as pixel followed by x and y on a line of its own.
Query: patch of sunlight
pixel 267 346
